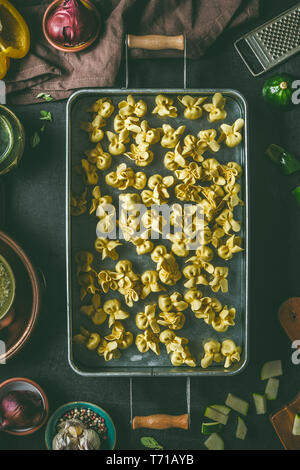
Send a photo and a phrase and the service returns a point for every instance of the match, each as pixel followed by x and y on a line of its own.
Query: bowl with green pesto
pixel 7 287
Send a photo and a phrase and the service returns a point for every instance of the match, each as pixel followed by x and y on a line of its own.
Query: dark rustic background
pixel 36 219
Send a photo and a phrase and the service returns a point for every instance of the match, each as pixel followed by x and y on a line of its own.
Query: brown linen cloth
pixel 46 70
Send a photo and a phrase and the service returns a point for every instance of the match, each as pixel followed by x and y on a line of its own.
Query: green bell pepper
pixel 285 160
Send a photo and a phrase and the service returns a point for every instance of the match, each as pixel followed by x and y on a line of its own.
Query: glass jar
pixel 12 140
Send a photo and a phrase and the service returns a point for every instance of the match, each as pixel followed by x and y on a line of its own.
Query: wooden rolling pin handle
pixel 161 421
pixel 155 42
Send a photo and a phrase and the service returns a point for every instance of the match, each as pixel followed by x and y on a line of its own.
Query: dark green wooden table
pixel 36 219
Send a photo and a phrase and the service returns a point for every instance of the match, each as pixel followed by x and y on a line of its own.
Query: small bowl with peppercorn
pixel 80 425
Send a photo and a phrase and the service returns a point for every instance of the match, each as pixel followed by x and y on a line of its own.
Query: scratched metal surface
pixel 81 234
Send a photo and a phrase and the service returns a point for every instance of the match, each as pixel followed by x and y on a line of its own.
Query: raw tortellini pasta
pixel 171 136
pixel 147 319
pixel 216 108
pixel 98 157
pixel 231 134
pixel 192 105
pixel 140 154
pixel 131 107
pixel 164 107
pixel 125 177
pixel 117 141
pixel 103 107
pixel 147 340
pixel 158 190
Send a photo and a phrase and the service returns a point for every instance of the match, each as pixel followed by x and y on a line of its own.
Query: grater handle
pixel 156 42
pixel 161 421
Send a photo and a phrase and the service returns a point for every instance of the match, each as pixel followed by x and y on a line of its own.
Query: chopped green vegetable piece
pixel 214 442
pixel 271 369
pixel 222 408
pixel 296 426
pixel 296 193
pixel 45 96
pixel 285 160
pixel 241 429
pixel 35 140
pixel 150 442
pixel 215 415
pixel 260 403
pixel 271 390
pixel 209 428
pixel 237 404
pixel 46 116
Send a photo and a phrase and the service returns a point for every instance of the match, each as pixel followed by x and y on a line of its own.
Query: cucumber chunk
pixel 271 390
pixel 260 403
pixel 271 369
pixel 241 429
pixel 296 426
pixel 222 408
pixel 214 442
pixel 209 428
pixel 215 415
pixel 237 404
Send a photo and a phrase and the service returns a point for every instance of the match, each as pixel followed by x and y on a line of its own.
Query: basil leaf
pixel 45 96
pixel 35 140
pixel 151 443
pixel 46 116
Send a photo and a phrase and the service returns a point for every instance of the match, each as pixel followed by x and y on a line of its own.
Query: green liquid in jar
pixel 12 140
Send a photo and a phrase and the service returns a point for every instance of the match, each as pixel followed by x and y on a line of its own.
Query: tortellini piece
pixel 227 222
pixel 107 248
pixel 232 245
pixel 164 107
pixel 98 157
pixel 83 260
pixel 108 279
pixel 231 352
pixel 224 320
pixel 109 350
pixel 89 172
pixel 219 280
pixel 128 282
pixel 158 192
pixel 130 123
pixel 188 192
pixel 103 107
pixel 94 311
pixel 147 319
pixel 193 147
pixel 124 338
pixel 176 347
pixel 175 160
pixel 180 244
pixel 140 154
pixel 78 203
pixel 231 134
pixel 131 107
pixel 147 340
pixel 150 283
pixel 207 140
pixel 168 270
pixel 113 309
pixel 216 108
pixel 173 320
pixel 153 221
pixel 117 141
pixel 190 174
pixel 212 353
pixel 202 258
pixel 142 244
pixel 88 339
pixel 205 308
pixel 147 135
pixel 171 136
pixel 192 105
pixel 194 276
pixel 94 128
pixel 174 302
pixel 98 200
pixel 125 177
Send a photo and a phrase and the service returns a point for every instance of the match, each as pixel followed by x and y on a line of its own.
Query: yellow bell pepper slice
pixel 4 65
pixel 14 32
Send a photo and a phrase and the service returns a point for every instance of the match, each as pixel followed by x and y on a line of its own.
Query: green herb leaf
pixel 46 116
pixel 45 97
pixel 150 443
pixel 35 140
pixel 43 128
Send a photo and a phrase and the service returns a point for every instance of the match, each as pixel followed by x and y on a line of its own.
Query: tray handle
pixel 161 421
pixel 155 42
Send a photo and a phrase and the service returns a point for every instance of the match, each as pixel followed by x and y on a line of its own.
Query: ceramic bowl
pixel 27 303
pixel 51 428
pixel 80 47
pixel 21 383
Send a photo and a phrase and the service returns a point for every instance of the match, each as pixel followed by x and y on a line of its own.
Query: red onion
pixel 72 23
pixel 20 410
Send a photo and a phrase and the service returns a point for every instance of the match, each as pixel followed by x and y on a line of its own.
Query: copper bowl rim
pixel 36 295
pixel 46 405
pixel 80 47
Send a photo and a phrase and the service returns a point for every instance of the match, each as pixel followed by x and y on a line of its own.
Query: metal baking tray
pixel 81 234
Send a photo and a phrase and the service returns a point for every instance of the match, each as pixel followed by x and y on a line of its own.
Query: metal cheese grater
pixel 271 43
